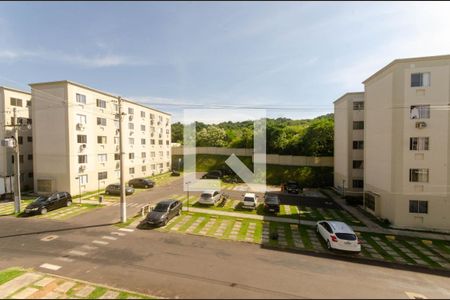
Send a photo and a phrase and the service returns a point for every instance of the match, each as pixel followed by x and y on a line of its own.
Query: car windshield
pixel 40 199
pixel 272 200
pixel 249 199
pixel 161 207
pixel 205 195
pixel 346 236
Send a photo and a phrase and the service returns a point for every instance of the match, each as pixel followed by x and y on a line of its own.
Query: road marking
pixel 49 238
pixel 117 233
pixel 107 237
pixel 412 295
pixel 100 242
pixel 50 267
pixel 89 247
pixel 66 259
pixel 76 252
pixel 126 229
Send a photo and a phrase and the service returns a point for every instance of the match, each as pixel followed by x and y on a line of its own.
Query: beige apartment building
pixel 11 99
pixel 406 143
pixel 349 143
pixel 76 138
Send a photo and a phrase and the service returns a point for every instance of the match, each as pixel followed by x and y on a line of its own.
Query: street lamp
pixel 187 190
pixel 79 187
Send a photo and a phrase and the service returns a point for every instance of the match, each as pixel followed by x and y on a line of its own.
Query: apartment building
pixel 76 138
pixel 11 99
pixel 349 144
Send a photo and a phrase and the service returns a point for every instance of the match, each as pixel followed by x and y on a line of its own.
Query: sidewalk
pixel 373 227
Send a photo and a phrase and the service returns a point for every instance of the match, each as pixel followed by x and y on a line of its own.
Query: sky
pixel 291 58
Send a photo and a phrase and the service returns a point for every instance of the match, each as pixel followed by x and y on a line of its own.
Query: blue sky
pixel 297 56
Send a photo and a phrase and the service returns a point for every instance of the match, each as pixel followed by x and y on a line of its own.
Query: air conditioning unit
pixel 80 126
pixel 421 125
pixel 151 122
pixel 117 131
pixel 82 168
pixel 159 123
pixel 82 147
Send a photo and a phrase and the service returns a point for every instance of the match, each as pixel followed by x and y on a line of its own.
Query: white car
pixel 210 197
pixel 250 200
pixel 338 235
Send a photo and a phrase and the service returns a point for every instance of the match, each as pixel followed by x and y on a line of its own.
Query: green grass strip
pixel 227 230
pixel 98 292
pixel 288 235
pixel 243 231
pixel 202 224
pixel 398 250
pixel 186 225
pixel 214 227
pixel 419 254
pixel 368 238
pixel 175 221
pixel 258 233
pixel 305 238
pixel 10 274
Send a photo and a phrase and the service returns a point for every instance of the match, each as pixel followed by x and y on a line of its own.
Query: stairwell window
pixel 101 139
pixel 357 164
pixel 358 144
pixel 131 170
pixel 419 175
pixel 420 79
pixel 358 105
pixel 419 143
pixel 101 103
pixel 420 111
pixel 102 175
pixel 358 125
pixel 101 121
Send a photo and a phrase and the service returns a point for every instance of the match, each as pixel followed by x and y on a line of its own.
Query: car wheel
pixel 165 222
pixel 43 211
pixel 68 203
pixel 146 186
pixel 328 245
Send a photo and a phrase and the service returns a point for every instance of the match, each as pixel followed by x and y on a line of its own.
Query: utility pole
pixel 17 196
pixel 123 206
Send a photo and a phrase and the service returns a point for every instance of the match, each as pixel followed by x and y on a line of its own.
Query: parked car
pixel 271 203
pixel 214 174
pixel 114 189
pixel 250 200
pixel 43 204
pixel 338 235
pixel 163 212
pixel 210 197
pixel 292 187
pixel 141 183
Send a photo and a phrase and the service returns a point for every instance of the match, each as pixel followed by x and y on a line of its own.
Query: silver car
pixel 210 197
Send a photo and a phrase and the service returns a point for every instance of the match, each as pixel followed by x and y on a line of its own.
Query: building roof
pixel 405 60
pixel 14 90
pixel 95 90
pixel 347 94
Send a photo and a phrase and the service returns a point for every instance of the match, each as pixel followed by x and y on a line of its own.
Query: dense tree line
pixel 311 137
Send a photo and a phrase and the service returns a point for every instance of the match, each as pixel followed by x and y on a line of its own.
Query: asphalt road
pixel 187 266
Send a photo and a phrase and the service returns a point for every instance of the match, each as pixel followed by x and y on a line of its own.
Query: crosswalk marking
pixel 107 237
pixel 78 253
pixel 117 233
pixel 89 247
pixel 126 229
pixel 66 259
pixel 100 242
pixel 50 267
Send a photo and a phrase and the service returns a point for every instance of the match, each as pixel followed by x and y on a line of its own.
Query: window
pixel 30 175
pixel 130 111
pixel 21 159
pixel 419 143
pixel 143 154
pixel 142 114
pixel 116 124
pixel 101 103
pixel 358 144
pixel 152 129
pixel 83 179
pixel 358 164
pixel 152 142
pixel 29 103
pixel 420 112
pixel 358 183
pixel 131 141
pixel 30 156
pixel 160 142
pixel 81 139
pixel 101 139
pixel 131 155
pixel 20 140
pixel 358 125
pixel 81 98
pixel 30 139
pixel 152 154
pixel 116 156
pixel 102 175
pixel 153 167
pixel 131 126
pixel 418 206
pixel 116 140
pixel 420 79
pixel 418 175
pixel 144 168
pixel 131 170
pixel 101 121
pixel 167 142
pixel 16 102
pixel 167 164
pixel 82 159
pixel 81 119
pixel 152 116
pixel 117 172
pixel 160 153
pixel 102 157
pixel 358 105
pixel 142 127
pixel 116 107
pixel 142 141
pixel 12 159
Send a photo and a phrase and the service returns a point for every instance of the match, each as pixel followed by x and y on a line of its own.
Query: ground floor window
pixel 370 201
pixel 358 183
pixel 418 206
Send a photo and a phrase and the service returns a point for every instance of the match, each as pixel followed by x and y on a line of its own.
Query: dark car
pixel 141 183
pixel 163 212
pixel 214 174
pixel 271 203
pixel 292 187
pixel 43 204
pixel 114 189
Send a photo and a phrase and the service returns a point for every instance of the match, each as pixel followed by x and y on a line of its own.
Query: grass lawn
pixel 10 274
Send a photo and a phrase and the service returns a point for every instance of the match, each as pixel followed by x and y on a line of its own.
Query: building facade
pixel 76 138
pixel 349 144
pixel 11 99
